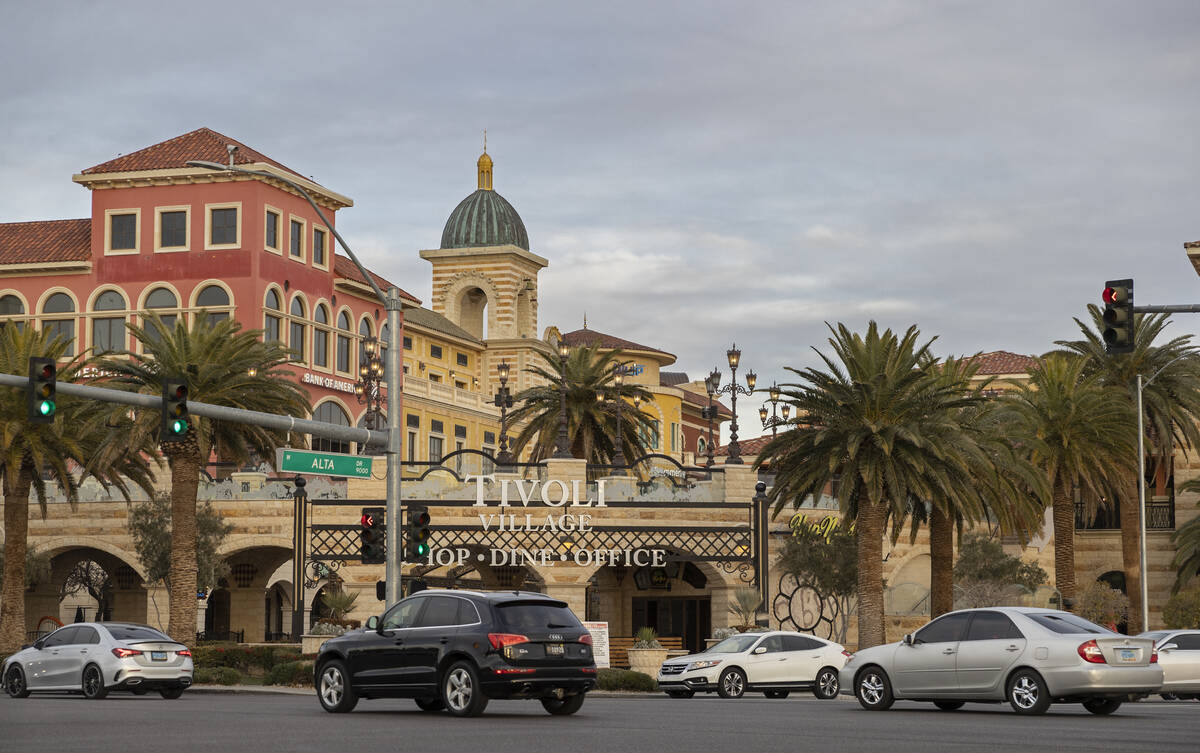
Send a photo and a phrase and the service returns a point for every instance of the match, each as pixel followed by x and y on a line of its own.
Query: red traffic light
pixel 1114 295
pixel 367 520
pixel 420 518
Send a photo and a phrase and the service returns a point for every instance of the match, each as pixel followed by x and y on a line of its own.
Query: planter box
pixel 310 644
pixel 647 660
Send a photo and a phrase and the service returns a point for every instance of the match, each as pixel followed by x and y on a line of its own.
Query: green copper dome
pixel 484 218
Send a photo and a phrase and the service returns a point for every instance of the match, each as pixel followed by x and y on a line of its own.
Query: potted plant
pixel 339 603
pixel 647 654
pixel 745 607
pixel 719 634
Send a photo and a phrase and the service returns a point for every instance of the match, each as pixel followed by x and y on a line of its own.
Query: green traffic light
pixel 422 549
pixel 46 408
pixel 179 426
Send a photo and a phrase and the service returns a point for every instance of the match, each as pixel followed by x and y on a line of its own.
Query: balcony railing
pixel 1160 516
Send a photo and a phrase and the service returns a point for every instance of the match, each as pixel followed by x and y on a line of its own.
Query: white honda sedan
pixel 773 664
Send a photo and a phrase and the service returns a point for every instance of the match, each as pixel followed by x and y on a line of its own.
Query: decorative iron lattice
pixel 707 544
pixel 335 541
pixel 314 571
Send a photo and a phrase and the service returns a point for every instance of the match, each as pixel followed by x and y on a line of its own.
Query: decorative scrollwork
pixel 315 571
pixel 743 568
pixel 804 609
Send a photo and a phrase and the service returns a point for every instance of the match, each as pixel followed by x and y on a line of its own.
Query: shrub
pixel 227 655
pixel 1183 609
pixel 724 632
pixel 263 657
pixel 204 676
pixel 290 673
pixel 1101 603
pixel 624 679
pixel 227 676
pixel 745 605
pixel 647 637
pixel 327 628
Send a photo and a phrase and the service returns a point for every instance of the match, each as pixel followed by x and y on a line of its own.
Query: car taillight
pixel 1154 656
pixel 122 653
pixel 586 638
pixel 846 653
pixel 1090 652
pixel 500 640
pixel 184 652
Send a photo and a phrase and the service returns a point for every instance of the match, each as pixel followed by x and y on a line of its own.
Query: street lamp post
pixel 710 413
pixel 774 422
pixel 392 304
pixel 563 444
pixel 368 389
pixel 733 389
pixel 503 401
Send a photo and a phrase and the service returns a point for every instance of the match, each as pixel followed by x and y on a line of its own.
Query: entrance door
pixel 689 617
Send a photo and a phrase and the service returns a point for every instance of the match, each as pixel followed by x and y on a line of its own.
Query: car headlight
pixel 703 664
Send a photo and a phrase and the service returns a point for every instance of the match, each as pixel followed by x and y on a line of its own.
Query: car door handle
pixel 83 650
pixel 445 640
pixel 948 651
pixel 1013 648
pixel 399 642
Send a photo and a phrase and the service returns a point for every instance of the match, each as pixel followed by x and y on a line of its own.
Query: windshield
pixel 1156 635
pixel 136 633
pixel 735 644
pixel 1068 624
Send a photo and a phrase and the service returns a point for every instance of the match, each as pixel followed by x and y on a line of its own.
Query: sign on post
pixel 599 631
pixel 322 463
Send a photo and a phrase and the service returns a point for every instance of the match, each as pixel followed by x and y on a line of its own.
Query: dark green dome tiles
pixel 484 218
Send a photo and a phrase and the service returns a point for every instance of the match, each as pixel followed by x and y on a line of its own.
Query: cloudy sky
pixel 696 173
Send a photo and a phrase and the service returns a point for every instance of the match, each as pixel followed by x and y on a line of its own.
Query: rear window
pixel 135 633
pixel 1068 624
pixel 517 615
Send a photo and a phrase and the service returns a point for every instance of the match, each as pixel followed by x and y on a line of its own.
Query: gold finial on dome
pixel 485 167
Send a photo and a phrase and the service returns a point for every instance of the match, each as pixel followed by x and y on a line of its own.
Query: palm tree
pixel 222 365
pixel 1171 405
pixel 591 426
pixel 1075 430
pixel 877 428
pixel 1187 543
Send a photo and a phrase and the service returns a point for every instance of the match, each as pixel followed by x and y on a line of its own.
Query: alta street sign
pixel 322 463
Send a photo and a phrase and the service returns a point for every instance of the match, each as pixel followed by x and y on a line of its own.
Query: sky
pixel 696 173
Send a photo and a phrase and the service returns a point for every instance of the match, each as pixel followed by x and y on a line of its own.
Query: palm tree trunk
pixel 941 562
pixel 185 481
pixel 869 526
pixel 1131 560
pixel 1064 540
pixel 16 534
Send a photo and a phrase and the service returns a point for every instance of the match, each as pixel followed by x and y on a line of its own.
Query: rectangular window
pixel 64 328
pixel 272 236
pixel 108 335
pixel 320 348
pixel 460 385
pixel 343 353
pixel 674 437
pixel 319 247
pixel 407 342
pixel 412 447
pixel 436 427
pixel 435 351
pixel 414 422
pixel 296 339
pixel 435 449
pixel 435 378
pixel 223 230
pixel 489 437
pixel 122 232
pixel 462 359
pixel 460 431
pixel 172 229
pixel 271 328
pixel 296 247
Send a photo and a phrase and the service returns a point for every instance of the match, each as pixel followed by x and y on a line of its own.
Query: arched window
pixel 343 343
pixel 108 332
pixel 330 413
pixel 64 327
pixel 161 299
pixel 701 446
pixel 271 317
pixel 321 336
pixel 297 328
pixel 212 297
pixel 11 306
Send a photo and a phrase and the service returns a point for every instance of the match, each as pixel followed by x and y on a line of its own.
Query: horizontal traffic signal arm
pixel 219 412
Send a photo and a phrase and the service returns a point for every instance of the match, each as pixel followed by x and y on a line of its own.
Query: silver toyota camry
pixel 1029 657
pixel 95 658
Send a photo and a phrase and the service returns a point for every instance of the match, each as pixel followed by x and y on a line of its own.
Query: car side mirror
pixel 908 639
pixel 1168 647
pixel 372 623
pixel 39 643
pixel 760 650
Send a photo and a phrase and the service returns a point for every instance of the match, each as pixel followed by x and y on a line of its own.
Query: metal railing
pixel 1160 516
pixel 234 636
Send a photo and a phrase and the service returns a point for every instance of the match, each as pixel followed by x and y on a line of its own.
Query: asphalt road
pixel 266 723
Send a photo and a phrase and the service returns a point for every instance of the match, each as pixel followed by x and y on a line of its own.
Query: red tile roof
pixel 587 336
pixel 201 144
pixel 343 266
pixel 1002 362
pixel 702 401
pixel 45 241
pixel 748 448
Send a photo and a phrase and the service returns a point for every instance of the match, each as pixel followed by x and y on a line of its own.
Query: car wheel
pixel 681 693
pixel 430 704
pixel 138 691
pixel 14 683
pixel 873 690
pixel 93 683
pixel 333 689
pixel 732 683
pixel 461 691
pixel 826 685
pixel 170 693
pixel 776 693
pixel 1027 692
pixel 564 706
pixel 1168 696
pixel 948 705
pixel 1102 706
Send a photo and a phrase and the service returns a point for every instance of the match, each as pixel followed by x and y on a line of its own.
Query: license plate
pixel 554 649
pixel 1127 654
pixel 158 656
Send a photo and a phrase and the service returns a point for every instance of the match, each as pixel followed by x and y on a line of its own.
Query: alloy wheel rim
pixel 733 683
pixel 829 683
pixel 91 680
pixel 871 688
pixel 1025 692
pixel 331 686
pixel 458 689
pixel 14 681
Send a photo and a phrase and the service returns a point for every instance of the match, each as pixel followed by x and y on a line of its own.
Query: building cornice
pixel 43 269
pixel 480 252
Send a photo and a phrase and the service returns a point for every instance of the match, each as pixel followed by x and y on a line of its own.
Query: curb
pixel 282 690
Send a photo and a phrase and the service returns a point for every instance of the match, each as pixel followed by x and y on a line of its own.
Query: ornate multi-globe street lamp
pixel 563 445
pixel 774 421
pixel 710 413
pixel 503 401
pixel 369 387
pixel 733 389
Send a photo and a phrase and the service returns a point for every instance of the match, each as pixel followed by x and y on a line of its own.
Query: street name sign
pixel 322 463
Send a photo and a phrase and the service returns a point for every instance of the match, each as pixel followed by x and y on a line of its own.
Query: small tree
pixel 985 576
pixel 37 567
pixel 90 577
pixel 745 605
pixel 1102 604
pixel 150 526
pixel 826 560
pixel 1183 610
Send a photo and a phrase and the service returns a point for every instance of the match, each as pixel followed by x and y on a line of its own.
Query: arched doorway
pixel 216 614
pixel 472 311
pixel 88 584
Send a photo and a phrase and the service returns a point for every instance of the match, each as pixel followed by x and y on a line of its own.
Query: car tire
pixel 138 691
pixel 14 683
pixel 334 690
pixel 780 694
pixel 873 689
pixel 681 693
pixel 825 686
pixel 93 683
pixel 1102 706
pixel 171 694
pixel 1168 696
pixel 732 683
pixel 564 706
pixel 461 691
pixel 1027 692
pixel 949 705
pixel 431 703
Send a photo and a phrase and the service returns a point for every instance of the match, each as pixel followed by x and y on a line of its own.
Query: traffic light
pixel 416 534
pixel 503 398
pixel 43 376
pixel 1118 316
pixel 174 411
pixel 372 536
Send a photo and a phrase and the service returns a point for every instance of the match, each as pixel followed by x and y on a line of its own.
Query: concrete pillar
pixel 574 594
pixel 246 613
pixel 129 604
pixel 567 469
pixel 739 482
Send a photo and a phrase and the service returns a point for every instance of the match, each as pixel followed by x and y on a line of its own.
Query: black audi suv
pixel 456 650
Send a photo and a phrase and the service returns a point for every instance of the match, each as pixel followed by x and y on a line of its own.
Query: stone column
pixel 574 594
